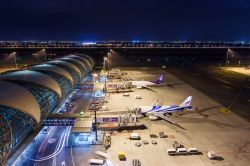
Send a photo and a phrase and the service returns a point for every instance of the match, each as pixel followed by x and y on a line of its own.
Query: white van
pixel 171 152
pixel 192 151
pixel 96 162
pixel 126 94
pixel 211 154
pixel 138 97
pixel 181 151
pixel 134 136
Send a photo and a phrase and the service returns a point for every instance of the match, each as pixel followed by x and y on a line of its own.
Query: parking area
pixel 207 129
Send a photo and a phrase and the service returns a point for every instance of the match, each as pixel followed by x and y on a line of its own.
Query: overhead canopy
pixel 52 68
pixel 33 77
pixel 20 99
pixel 82 125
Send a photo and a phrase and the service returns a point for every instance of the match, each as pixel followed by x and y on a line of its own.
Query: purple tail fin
pixel 161 78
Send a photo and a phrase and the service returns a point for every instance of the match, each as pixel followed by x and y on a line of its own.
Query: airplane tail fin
pixel 161 78
pixel 158 80
pixel 187 102
pixel 156 102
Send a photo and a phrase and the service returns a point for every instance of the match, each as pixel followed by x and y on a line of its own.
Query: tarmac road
pixel 221 88
pixel 82 101
pixel 225 133
pixel 49 149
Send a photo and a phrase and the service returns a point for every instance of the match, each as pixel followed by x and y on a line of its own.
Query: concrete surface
pixel 241 70
pixel 225 133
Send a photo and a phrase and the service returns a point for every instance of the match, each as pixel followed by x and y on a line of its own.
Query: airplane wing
pixel 143 87
pixel 160 115
pixel 146 87
pixel 142 83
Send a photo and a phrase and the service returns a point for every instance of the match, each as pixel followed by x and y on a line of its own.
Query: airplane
pixel 156 111
pixel 146 84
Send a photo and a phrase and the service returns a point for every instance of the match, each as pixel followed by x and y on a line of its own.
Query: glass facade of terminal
pixel 15 125
pixel 74 74
pixel 80 67
pixel 46 98
pixel 85 62
pixel 64 83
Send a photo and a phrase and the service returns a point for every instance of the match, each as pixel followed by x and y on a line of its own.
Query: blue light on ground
pixel 99 93
pixel 103 78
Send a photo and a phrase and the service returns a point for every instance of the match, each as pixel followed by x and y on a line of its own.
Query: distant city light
pixel 89 43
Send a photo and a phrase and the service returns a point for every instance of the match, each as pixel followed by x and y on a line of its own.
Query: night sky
pixel 96 20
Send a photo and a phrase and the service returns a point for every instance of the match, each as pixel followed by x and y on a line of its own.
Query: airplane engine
pixel 152 117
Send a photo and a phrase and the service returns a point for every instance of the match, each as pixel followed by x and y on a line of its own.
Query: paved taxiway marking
pixel 223 81
pixel 229 82
pixel 63 163
pixel 247 87
pixel 54 161
pixel 225 110
pixel 71 153
pixel 52 140
pixel 227 87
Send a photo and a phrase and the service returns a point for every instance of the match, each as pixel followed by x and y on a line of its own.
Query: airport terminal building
pixel 28 95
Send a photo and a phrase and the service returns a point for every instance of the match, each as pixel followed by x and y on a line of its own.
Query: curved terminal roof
pixel 87 57
pixel 18 98
pixel 33 77
pixel 75 60
pixel 84 59
pixel 68 64
pixel 52 68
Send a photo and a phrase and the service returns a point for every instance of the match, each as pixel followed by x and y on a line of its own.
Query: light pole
pixel 95 75
pixel 227 56
pixel 104 63
pixel 228 51
pixel 105 86
pixel 41 53
pixel 14 56
pixel 110 58
pixel 44 51
pixel 108 62
pixel 104 68
pixel 95 117
pixel 15 59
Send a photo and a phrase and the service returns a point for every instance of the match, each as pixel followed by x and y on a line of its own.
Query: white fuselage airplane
pixel 155 112
pixel 142 84
pixel 146 84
